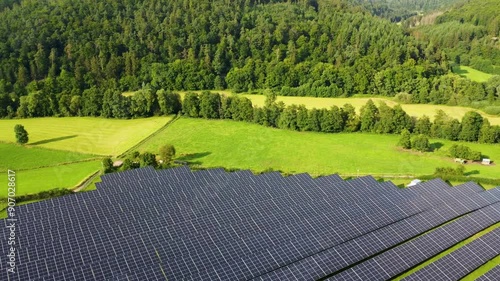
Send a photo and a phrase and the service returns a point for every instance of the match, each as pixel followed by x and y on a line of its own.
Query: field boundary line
pixel 150 136
pixel 86 182
pixel 60 164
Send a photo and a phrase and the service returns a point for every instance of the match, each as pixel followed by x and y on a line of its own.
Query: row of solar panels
pixel 231 226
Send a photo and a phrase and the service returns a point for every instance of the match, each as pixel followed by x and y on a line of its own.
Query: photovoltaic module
pixel 178 224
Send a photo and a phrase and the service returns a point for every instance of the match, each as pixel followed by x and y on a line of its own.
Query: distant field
pixel 37 180
pixel 412 109
pixel 17 157
pixel 472 74
pixel 224 143
pixel 84 134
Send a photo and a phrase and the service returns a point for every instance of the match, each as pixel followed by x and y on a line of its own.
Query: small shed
pixel 486 161
pixel 117 163
pixel 414 182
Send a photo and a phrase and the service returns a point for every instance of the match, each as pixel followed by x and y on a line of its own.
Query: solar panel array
pixel 179 224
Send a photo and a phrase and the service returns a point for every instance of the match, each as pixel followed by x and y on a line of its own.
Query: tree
pixel 420 143
pixel 210 105
pixel 313 120
pixel 168 102
pixel 191 105
pixel 107 165
pixel 405 139
pixel 167 153
pixel 351 120
pixel 21 134
pixel 487 133
pixel 302 118
pixel 127 165
pixel 385 124
pixel 423 126
pixel 464 152
pixel 471 126
pixel 369 116
pixel 148 159
pixel 288 118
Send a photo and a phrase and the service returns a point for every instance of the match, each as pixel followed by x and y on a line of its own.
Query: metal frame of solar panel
pixel 209 224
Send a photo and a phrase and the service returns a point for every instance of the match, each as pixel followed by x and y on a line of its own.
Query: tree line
pixel 382 119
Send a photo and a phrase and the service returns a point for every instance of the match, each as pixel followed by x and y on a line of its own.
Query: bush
pixel 420 143
pixel 148 159
pixel 448 171
pixel 493 110
pixel 464 152
pixel 405 140
pixel 403 98
pixel 107 165
pixel 21 134
pixel 167 153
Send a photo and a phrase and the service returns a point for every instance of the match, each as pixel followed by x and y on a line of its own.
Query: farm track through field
pixel 160 130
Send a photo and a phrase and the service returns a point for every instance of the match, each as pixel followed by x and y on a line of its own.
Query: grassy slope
pixel 64 176
pixel 412 109
pixel 17 157
pixel 84 134
pixel 249 146
pixel 472 74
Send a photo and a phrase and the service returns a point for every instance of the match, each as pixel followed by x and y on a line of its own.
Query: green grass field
pixel 84 134
pixel 224 143
pixel 17 157
pixel 412 109
pixel 472 74
pixel 63 176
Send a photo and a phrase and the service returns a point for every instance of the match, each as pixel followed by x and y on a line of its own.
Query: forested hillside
pixel 398 10
pixel 58 54
pixel 469 34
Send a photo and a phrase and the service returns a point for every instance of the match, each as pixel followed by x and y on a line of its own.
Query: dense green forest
pixel 469 33
pixel 399 10
pixel 57 53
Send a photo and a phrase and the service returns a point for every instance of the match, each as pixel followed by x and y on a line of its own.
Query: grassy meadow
pixel 62 152
pixel 231 144
pixel 471 73
pixel 62 176
pixel 88 135
pixel 17 157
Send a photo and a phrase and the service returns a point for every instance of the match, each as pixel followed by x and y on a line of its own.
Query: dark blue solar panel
pixel 397 260
pixel 492 275
pixel 464 260
pixel 213 225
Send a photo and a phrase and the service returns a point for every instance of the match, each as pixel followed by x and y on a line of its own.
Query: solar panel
pixel 461 262
pixel 145 224
pixel 350 252
pixel 492 275
pixel 395 261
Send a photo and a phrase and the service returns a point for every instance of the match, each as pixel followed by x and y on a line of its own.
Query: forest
pixel 468 33
pixel 401 10
pixel 64 50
